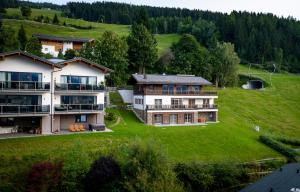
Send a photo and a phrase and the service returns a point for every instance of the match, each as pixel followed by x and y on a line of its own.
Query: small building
pixel 285 179
pixel 43 96
pixel 54 44
pixel 173 100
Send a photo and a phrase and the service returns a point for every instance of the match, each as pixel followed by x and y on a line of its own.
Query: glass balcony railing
pixel 24 86
pixel 78 87
pixel 24 109
pixel 78 107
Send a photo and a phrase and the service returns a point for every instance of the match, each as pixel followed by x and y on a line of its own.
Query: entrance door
pixel 188 118
pixel 158 119
pixel 173 119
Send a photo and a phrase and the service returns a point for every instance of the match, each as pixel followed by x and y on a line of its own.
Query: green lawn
pixel 164 41
pixel 276 110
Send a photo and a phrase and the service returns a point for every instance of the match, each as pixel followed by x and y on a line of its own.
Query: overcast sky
pixel 279 7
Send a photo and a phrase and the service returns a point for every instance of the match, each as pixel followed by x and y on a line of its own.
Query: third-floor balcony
pixel 180 107
pixel 24 86
pixel 78 108
pixel 77 87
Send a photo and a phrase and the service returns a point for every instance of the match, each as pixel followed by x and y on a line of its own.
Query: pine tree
pixel 142 52
pixel 55 20
pixel 34 47
pixel 22 38
pixel 70 54
pixel 26 11
pixel 60 54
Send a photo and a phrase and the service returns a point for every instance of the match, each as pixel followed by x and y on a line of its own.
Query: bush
pixel 110 116
pixel 146 169
pixel 289 141
pixel 281 148
pixel 44 176
pixel 104 175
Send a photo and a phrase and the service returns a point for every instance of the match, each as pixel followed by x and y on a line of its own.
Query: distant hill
pixel 73 26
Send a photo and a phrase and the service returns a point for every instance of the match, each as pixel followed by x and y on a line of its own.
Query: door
pixel 158 119
pixel 176 103
pixel 205 103
pixel 173 119
pixel 158 103
pixel 188 118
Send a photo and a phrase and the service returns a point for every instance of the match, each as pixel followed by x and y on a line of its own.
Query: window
pixel 173 119
pixel 181 89
pixel 188 118
pixel 21 99
pixel 158 118
pixel 176 103
pixel 78 99
pixel 46 49
pixel 168 89
pixel 80 118
pixel 20 76
pixel 158 103
pixel 139 101
pixel 87 80
pixel 205 103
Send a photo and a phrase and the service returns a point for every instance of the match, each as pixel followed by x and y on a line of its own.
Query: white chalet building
pixel 40 96
pixel 173 100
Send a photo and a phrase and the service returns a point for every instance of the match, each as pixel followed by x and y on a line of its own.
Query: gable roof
pixel 170 79
pixel 284 179
pixel 61 38
pixel 29 55
pixel 86 61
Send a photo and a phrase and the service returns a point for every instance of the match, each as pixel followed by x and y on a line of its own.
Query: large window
pixel 78 99
pixel 168 89
pixel 80 118
pixel 176 103
pixel 158 119
pixel 188 118
pixel 87 80
pixel 20 76
pixel 21 99
pixel 181 89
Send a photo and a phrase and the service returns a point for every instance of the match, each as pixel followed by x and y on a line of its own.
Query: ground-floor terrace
pixel 60 123
pixel 175 117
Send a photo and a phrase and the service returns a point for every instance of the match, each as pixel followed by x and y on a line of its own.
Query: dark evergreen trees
pixel 22 38
pixel 70 54
pixel 142 51
pixel 34 47
pixel 55 20
pixel 26 11
pixel 8 40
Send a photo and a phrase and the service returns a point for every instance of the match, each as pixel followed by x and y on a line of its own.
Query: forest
pixel 263 39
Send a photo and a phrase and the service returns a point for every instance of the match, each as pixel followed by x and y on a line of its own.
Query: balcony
pixel 183 93
pixel 78 108
pixel 77 87
pixel 24 86
pixel 21 110
pixel 180 107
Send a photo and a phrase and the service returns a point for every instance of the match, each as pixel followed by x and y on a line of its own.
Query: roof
pixel 26 54
pixel 91 63
pixel 60 38
pixel 287 178
pixel 56 62
pixel 170 79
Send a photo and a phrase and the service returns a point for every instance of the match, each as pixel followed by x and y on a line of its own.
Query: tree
pixel 143 18
pixel 22 38
pixel 111 51
pixel 55 20
pixel 142 52
pixel 26 11
pixel 190 57
pixel 60 54
pixel 70 54
pixel 34 47
pixel 104 175
pixel 8 41
pixel 87 51
pixel 225 64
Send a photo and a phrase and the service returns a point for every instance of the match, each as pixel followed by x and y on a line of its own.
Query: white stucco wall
pixel 166 100
pixel 127 95
pixel 66 46
pixel 139 106
pixel 49 49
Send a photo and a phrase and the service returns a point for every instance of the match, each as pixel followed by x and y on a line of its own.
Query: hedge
pixel 281 148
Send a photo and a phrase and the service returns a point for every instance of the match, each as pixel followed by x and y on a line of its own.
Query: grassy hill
pixel 164 41
pixel 275 110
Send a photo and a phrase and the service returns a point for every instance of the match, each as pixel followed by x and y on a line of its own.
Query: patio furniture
pixel 15 129
pixel 81 127
pixel 97 127
pixel 77 127
pixel 72 128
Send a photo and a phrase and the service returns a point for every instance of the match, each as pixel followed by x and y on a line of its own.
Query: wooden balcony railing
pixel 161 92
pixel 180 107
pixel 25 86
pixel 78 87
pixel 78 107
pixel 24 109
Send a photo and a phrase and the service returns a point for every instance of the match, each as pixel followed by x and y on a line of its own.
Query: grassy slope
pixel 276 110
pixel 164 41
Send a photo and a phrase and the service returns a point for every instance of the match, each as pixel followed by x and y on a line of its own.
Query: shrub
pixel 104 175
pixel 288 140
pixel 44 176
pixel 281 148
pixel 110 116
pixel 146 169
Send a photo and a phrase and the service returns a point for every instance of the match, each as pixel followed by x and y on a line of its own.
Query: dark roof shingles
pixel 60 38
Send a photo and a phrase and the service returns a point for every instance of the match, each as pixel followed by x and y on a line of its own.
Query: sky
pixel 278 7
